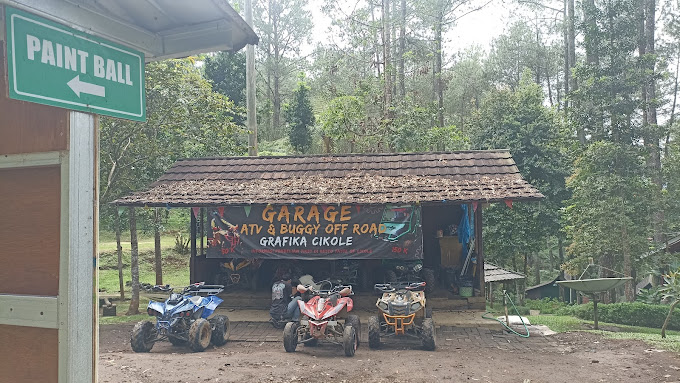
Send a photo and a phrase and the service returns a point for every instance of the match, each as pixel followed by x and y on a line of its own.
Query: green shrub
pixel 545 305
pixel 632 314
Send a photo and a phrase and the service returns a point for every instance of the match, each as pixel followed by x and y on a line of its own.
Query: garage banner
pixel 315 232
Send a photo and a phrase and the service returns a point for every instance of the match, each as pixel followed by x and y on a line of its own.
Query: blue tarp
pixel 466 229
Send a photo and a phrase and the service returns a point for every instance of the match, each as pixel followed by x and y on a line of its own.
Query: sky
pixel 478 28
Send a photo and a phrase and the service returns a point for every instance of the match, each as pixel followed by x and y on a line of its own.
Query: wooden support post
pixel 595 311
pixel 479 246
pixel 505 306
pixel 491 294
pixel 192 241
pixel 202 230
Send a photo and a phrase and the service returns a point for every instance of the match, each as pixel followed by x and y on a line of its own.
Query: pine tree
pixel 300 117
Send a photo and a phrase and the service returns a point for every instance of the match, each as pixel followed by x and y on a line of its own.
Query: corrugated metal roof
pixel 159 28
pixel 353 178
pixel 493 273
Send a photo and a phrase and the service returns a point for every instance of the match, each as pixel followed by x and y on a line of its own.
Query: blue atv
pixel 183 320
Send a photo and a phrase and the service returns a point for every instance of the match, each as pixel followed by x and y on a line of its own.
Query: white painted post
pixel 78 331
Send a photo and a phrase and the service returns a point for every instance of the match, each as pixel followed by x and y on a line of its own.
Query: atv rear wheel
pixel 430 281
pixel 200 333
pixel 350 341
pixel 220 330
pixel 143 337
pixel 428 334
pixel 177 341
pixel 353 320
pixel 290 336
pixel 373 332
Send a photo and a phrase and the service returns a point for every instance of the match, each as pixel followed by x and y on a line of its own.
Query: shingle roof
pixel 463 176
pixel 493 273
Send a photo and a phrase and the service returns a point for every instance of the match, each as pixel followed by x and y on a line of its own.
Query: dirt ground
pixel 462 355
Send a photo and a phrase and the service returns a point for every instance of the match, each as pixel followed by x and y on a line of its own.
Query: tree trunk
pixel 119 250
pixel 402 50
pixel 394 54
pixel 654 135
pixel 376 41
pixel 567 51
pixel 276 118
pixel 386 31
pixel 560 247
pixel 134 263
pixel 157 246
pixel 668 319
pixel 627 265
pixel 537 268
pixel 439 92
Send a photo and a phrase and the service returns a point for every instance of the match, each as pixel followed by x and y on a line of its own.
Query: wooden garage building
pixel 438 189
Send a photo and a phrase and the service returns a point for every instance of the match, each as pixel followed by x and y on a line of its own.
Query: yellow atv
pixel 402 313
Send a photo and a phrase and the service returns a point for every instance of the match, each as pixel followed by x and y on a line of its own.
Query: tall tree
pixel 227 73
pixel 282 25
pixel 518 120
pixel 299 117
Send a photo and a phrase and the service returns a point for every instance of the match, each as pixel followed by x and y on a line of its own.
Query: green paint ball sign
pixel 51 64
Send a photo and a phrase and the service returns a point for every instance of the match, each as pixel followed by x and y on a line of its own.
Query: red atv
pixel 319 319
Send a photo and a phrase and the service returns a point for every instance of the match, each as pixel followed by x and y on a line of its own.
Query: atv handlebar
pixel 394 286
pixel 342 290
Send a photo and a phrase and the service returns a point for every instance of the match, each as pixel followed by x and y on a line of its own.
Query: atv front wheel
pixel 428 334
pixel 353 320
pixel 428 312
pixel 143 337
pixel 373 332
pixel 350 341
pixel 430 281
pixel 200 333
pixel 290 336
pixel 220 330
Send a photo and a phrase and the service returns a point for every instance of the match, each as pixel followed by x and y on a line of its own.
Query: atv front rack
pixel 399 322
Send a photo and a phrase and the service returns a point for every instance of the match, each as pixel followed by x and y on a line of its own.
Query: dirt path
pixel 463 355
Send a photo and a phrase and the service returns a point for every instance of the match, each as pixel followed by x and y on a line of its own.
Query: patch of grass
pixel 558 323
pixel 145 243
pixel 670 343
pixel 120 317
pixel 652 336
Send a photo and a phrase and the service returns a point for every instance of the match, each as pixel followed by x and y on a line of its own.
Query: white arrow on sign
pixel 85 87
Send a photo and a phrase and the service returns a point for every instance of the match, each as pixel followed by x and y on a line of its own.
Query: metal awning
pixel 493 273
pixel 160 28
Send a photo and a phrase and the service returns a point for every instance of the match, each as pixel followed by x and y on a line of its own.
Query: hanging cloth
pixel 466 231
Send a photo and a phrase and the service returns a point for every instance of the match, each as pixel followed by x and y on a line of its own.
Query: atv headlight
pixel 417 267
pixel 152 312
pixel 416 306
pixel 401 268
pixel 382 306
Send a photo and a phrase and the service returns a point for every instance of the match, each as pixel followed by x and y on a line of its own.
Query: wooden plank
pixel 29 354
pixel 29 230
pixel 27 127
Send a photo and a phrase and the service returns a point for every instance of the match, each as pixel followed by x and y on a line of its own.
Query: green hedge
pixel 545 305
pixel 632 314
